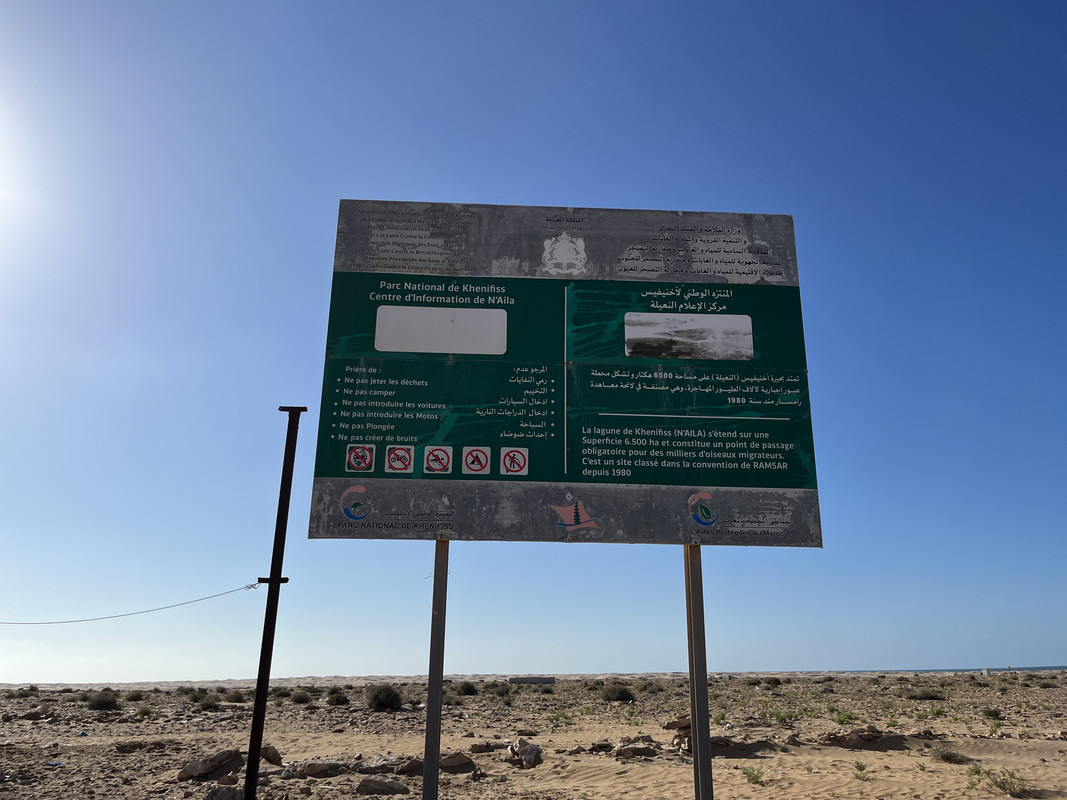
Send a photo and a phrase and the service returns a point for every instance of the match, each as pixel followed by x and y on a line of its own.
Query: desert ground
pixel 787 735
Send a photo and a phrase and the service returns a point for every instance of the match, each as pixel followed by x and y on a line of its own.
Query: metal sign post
pixel 700 731
pixel 274 583
pixel 436 676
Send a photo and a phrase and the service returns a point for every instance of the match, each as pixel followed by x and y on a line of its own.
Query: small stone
pixel 374 784
pixel 526 754
pixel 412 766
pixel 456 762
pixel 322 768
pixel 213 768
pixel 634 751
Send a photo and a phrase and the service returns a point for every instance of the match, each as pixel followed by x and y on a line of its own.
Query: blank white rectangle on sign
pixel 422 329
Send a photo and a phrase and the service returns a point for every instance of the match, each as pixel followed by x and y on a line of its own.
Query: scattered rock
pixel 374 784
pixel 270 754
pixel 322 768
pixel 634 751
pixel 411 766
pixel 225 793
pixel 456 762
pixel 210 769
pixel 525 754
pixel 378 766
pixel 857 737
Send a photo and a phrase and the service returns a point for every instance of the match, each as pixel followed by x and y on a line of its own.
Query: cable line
pixel 135 613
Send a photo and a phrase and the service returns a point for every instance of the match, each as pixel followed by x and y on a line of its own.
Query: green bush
pixel 209 703
pixel 383 697
pixel 104 700
pixel 1009 782
pixel 617 693
pixel 301 697
pixel 949 756
pixel 467 689
pixel 845 717
pixel 135 697
pixel 336 697
pixel 234 696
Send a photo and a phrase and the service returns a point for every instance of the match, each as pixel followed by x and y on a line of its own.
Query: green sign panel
pixel 564 375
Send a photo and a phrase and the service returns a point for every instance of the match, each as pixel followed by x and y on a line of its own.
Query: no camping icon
pixel 476 460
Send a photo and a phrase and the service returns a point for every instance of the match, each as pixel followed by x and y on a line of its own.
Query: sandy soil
pixel 931 735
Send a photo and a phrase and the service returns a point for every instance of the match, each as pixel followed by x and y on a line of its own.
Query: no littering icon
pixel 514 460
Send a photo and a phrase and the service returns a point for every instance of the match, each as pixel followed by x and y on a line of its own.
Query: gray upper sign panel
pixel 530 241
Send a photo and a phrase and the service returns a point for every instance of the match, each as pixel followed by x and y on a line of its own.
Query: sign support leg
pixel 436 676
pixel 274 585
pixel 700 733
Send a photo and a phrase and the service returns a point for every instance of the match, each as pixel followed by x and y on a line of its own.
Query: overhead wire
pixel 135 613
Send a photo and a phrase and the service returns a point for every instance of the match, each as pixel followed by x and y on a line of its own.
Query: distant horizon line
pixel 422 678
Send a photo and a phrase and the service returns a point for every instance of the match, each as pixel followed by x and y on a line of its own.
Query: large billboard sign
pixel 564 374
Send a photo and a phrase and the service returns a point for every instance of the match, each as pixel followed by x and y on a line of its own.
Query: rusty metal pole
pixel 700 733
pixel 274 585
pixel 436 677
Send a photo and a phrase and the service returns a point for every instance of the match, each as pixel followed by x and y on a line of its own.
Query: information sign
pixel 552 374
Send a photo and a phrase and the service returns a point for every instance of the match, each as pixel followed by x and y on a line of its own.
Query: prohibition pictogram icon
pixel 475 460
pixel 438 459
pixel 398 458
pixel 514 461
pixel 360 458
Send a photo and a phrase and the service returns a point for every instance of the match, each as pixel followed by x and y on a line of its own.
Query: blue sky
pixel 169 180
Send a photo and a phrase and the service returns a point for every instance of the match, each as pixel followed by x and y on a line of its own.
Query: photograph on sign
pixel 642 370
pixel 726 337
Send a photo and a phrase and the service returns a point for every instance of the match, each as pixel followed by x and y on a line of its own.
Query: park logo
pixel 355 504
pixel 564 255
pixel 700 511
pixel 575 516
